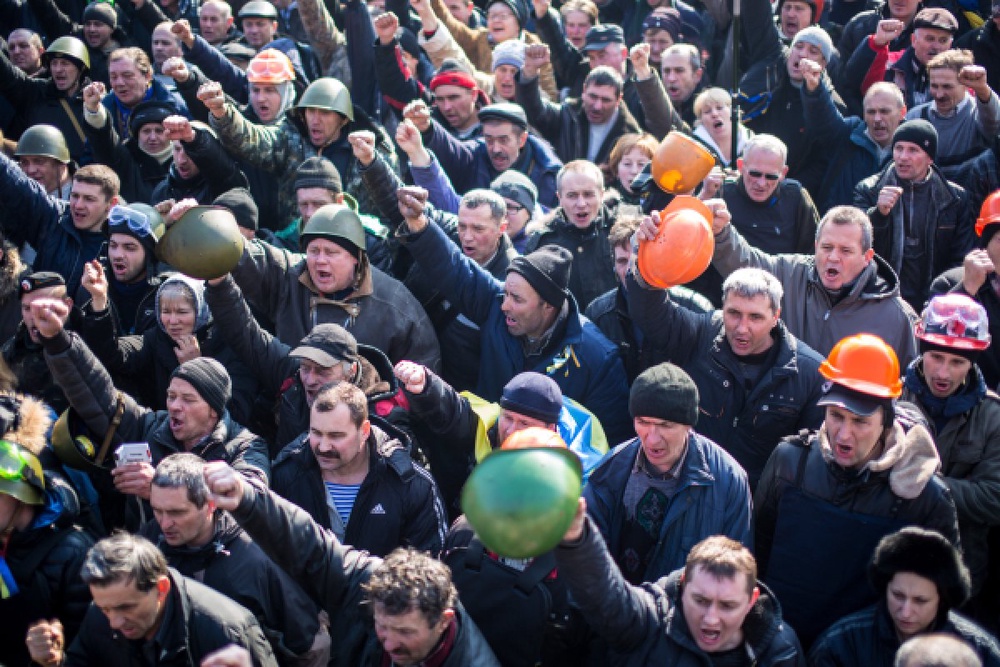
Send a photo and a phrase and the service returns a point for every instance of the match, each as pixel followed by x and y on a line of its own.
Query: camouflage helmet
pixel 330 94
pixel 44 140
pixel 335 222
pixel 71 48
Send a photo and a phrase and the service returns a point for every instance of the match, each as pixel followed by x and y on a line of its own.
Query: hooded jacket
pixel 233 565
pixel 645 625
pixel 748 422
pixel 967 436
pixel 379 311
pixel 335 574
pixel 197 621
pixel 872 304
pixel 145 361
pixel 947 232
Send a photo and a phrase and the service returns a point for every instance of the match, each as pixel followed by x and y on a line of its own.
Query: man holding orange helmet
pixel 826 499
pixel 946 384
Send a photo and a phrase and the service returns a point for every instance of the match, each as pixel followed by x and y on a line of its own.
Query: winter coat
pixel 967 436
pixel 868 639
pixel 11 268
pixel 870 64
pixel 379 311
pixel 26 360
pixel 713 498
pixel 611 313
pixel 896 488
pixel 217 173
pixel 468 165
pixel 335 574
pixel 984 43
pixel 282 393
pixel 746 422
pixel 38 101
pixel 853 155
pixel 156 92
pixel 138 171
pixel 233 565
pixel 578 357
pixel 948 234
pixel 146 361
pixel 873 304
pixel 989 360
pixel 398 504
pixel 45 562
pixel 282 147
pixel 645 625
pixel 565 125
pixel 59 245
pixel 857 30
pixel 197 621
pixel 786 222
pixel 593 271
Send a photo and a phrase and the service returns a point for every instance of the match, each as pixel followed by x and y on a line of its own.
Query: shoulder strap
pixel 535 573
pixel 112 429
pixel 72 119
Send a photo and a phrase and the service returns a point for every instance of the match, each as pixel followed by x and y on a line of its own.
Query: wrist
pixel 420 158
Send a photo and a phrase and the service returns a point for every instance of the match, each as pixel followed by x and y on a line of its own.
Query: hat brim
pixel 316 355
pixel 849 400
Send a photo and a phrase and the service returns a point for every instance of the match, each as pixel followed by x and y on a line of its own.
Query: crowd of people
pixel 277 275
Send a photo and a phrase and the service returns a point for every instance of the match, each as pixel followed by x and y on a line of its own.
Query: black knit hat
pixel 150 111
pixel 925 553
pixel 664 392
pixel 547 271
pixel 103 12
pixel 533 395
pixel 515 185
pixel 210 379
pixel 408 42
pixel 240 203
pixel 919 132
pixel 318 172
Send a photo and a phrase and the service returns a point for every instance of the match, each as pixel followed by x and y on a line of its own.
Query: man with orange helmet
pixel 977 277
pixel 826 499
pixel 946 384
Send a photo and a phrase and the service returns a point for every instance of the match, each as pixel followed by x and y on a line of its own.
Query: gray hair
pixel 936 650
pixel 689 50
pixel 848 215
pixel 750 283
pixel 581 167
pixel 122 558
pixel 481 197
pixel 183 471
pixel 888 88
pixel 767 143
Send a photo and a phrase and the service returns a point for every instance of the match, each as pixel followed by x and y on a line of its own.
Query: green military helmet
pixel 74 444
pixel 44 140
pixel 335 222
pixel 21 474
pixel 258 9
pixel 205 243
pixel 330 94
pixel 68 47
pixel 522 498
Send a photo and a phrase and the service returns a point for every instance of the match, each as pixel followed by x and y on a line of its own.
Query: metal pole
pixel 736 81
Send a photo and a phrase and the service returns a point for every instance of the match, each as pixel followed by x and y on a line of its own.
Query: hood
pixel 376 379
pixel 197 290
pixel 909 457
pixel 760 626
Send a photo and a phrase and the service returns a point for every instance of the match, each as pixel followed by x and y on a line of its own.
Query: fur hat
pixel 927 554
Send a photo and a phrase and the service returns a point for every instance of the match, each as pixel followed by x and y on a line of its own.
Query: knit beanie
pixel 664 392
pixel 665 18
pixel 519 8
pixel 210 379
pixel 515 185
pixel 103 12
pixel 533 395
pixel 510 53
pixel 240 203
pixel 919 132
pixel 927 554
pixel 547 271
pixel 817 37
pixel 318 172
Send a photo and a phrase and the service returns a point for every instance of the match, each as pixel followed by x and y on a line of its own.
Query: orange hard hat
pixel 532 437
pixel 680 164
pixel 989 214
pixel 683 246
pixel 866 364
pixel 270 66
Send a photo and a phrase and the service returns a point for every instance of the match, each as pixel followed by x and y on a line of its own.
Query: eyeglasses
pixel 137 221
pixel 514 208
pixel 752 173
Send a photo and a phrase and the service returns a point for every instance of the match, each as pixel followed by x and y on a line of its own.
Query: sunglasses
pixel 760 174
pixel 136 221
